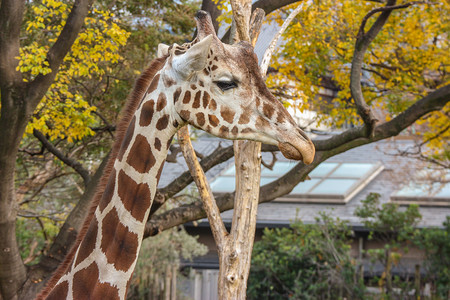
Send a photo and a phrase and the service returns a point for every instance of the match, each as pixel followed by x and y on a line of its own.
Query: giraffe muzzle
pixel 304 151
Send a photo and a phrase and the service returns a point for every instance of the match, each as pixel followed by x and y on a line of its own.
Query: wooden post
pixel 167 283
pixel 417 282
pixel 173 285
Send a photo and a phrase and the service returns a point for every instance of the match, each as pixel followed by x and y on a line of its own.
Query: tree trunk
pixel 235 257
pixel 12 126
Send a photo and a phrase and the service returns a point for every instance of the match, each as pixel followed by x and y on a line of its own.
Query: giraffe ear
pixel 194 59
pixel 163 50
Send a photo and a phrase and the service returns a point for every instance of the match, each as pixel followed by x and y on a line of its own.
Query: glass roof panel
pixel 425 190
pixel 323 169
pixel 266 180
pixel 444 191
pixel 223 184
pixel 412 190
pixel 305 186
pixel 230 171
pixel 280 168
pixel 355 170
pixel 333 187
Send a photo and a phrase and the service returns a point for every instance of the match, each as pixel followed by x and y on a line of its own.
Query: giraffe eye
pixel 226 85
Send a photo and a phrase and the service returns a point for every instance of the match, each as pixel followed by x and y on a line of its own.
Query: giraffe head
pixel 218 88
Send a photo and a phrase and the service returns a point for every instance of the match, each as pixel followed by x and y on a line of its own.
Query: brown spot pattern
pixel 157 144
pixel 193 87
pixel 127 139
pixel 206 98
pixel 135 197
pixel 185 114
pixel 227 114
pixel 109 191
pixel 262 123
pixel 196 103
pixel 162 102
pixel 235 130
pixel 59 291
pixel 244 118
pixel 141 157
pixel 258 102
pixel 168 82
pixel 224 130
pixel 187 97
pixel 162 122
pixel 147 113
pixel 268 110
pixel 200 119
pixel 213 120
pixel 212 104
pixel 88 243
pixel 87 286
pixel 206 72
pixel 200 83
pixel 153 84
pixel 158 175
pixel 214 67
pixel 176 95
pixel 119 244
pixel 280 118
pixel 169 141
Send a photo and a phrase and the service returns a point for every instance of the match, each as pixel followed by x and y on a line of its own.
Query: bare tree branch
pixel 270 5
pixel 209 204
pixel 362 43
pixel 382 9
pixel 269 51
pixel 73 163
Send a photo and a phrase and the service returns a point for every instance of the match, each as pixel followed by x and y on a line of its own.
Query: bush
pixel 306 261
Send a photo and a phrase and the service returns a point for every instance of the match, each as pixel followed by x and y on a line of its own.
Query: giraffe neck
pixel 105 259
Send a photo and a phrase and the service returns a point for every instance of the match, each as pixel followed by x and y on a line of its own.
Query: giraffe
pixel 210 85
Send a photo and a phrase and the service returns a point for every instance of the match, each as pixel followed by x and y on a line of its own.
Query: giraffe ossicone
pixel 205 83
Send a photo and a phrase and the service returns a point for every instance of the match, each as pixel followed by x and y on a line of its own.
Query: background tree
pixel 436 244
pixel 312 261
pixel 395 228
pixel 30 174
pixel 305 261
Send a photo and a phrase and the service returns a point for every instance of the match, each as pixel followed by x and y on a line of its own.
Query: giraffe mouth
pixel 304 153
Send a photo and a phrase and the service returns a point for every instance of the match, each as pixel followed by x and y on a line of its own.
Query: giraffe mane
pixel 126 115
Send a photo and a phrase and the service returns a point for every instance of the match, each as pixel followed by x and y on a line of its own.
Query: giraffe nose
pixel 298 147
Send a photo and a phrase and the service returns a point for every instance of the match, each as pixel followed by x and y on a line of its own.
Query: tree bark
pixel 12 124
pixel 235 257
pixel 18 101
